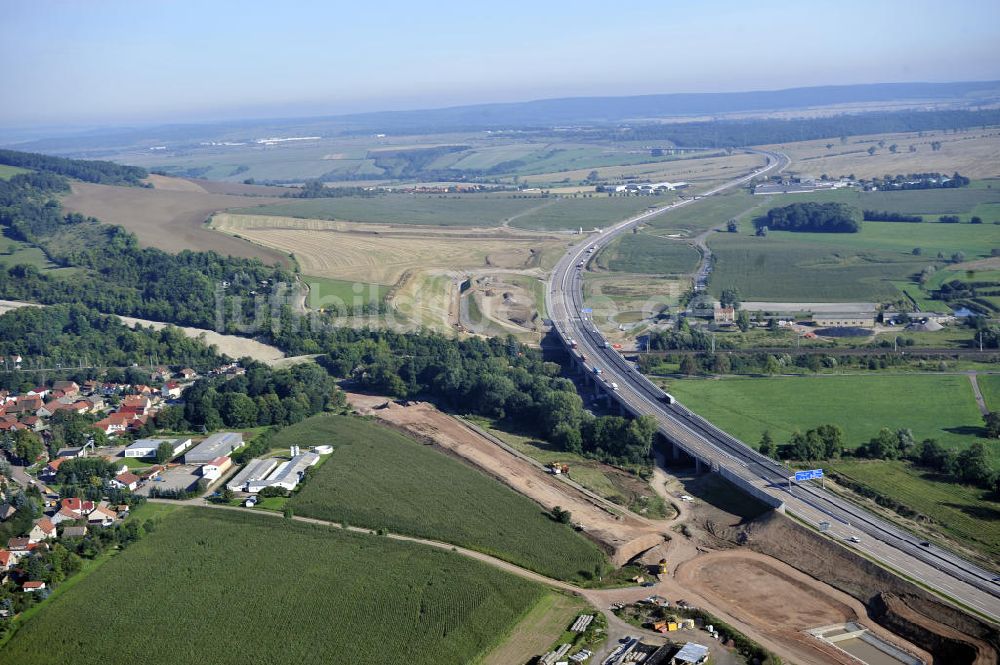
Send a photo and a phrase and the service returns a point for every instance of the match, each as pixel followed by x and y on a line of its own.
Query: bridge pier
pixel 697 465
pixel 621 410
pixel 676 450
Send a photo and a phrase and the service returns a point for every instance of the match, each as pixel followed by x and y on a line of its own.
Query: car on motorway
pixel 854 539
pixel 925 544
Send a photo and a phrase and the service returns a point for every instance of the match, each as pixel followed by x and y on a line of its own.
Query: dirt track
pixel 622 534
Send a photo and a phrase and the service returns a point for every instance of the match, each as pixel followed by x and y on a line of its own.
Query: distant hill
pixel 532 115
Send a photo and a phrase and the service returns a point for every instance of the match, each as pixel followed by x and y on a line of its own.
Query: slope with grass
pixel 379 478
pixel 231 588
pixel 969 514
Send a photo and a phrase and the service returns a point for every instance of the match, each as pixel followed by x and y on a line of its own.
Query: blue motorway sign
pixel 812 474
pixel 587 310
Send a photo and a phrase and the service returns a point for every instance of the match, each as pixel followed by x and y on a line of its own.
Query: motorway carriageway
pixel 934 567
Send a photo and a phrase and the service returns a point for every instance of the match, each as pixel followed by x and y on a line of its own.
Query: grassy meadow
pixel 942 407
pixel 598 210
pixel 205 582
pixel 379 478
pixel 7 172
pixel 643 253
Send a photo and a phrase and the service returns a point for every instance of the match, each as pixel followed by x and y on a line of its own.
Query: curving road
pixel 936 568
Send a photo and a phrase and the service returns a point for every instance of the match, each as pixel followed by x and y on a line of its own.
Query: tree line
pixel 886 216
pixel 114 274
pixel 811 216
pixel 101 172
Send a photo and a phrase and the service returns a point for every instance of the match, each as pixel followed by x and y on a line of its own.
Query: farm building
pixel 214 469
pixel 217 445
pixel 257 469
pixel 148 447
pixel 844 320
pixel 287 475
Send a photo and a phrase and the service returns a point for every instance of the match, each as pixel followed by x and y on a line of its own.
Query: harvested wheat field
pixel 695 170
pixel 975 153
pixel 170 217
pixel 382 254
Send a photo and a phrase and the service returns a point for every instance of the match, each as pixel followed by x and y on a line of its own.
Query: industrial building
pixel 148 447
pixel 257 469
pixel 219 444
pixel 290 473
pixel 213 470
pixel 844 320
pixel 287 475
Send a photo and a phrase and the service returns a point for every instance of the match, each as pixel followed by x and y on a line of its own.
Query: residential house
pixel 135 404
pixel 68 387
pixel 29 587
pixel 78 451
pixel 187 373
pixel 49 409
pixel 43 529
pixel 7 511
pixel 25 404
pixel 19 547
pixel 724 316
pixel 114 423
pixel 33 423
pixel 102 516
pixel 170 390
pixel 96 402
pixel 8 426
pixel 52 467
pixel 65 515
pixel 127 480
pixel 77 506
pixel 7 560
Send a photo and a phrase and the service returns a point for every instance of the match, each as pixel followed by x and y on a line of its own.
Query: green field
pixel 989 385
pixel 324 292
pixel 930 202
pixel 418 209
pixel 707 213
pixel 379 478
pixel 599 210
pixel 231 588
pixel 970 514
pixel 643 253
pixel 7 171
pixel 933 406
pixel 791 267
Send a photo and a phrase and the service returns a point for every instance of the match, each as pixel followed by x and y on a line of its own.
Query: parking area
pixel 182 477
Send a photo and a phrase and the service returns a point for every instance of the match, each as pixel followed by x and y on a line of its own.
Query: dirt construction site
pixel 758 571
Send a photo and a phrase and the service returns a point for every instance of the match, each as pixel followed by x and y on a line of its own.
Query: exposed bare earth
pixel 622 534
pixel 171 219
pixel 382 254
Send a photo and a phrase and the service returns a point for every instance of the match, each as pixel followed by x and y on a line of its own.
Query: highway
pixel 934 567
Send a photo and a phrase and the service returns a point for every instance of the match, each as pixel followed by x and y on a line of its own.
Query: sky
pixel 105 62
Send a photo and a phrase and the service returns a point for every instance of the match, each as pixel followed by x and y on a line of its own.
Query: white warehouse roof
pixel 255 470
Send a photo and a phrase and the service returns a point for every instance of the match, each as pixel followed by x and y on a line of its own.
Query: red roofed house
pixel 33 586
pixel 6 560
pixel 115 423
pixel 188 373
pixel 77 506
pixel 135 404
pixel 170 389
pixel 7 426
pixel 25 403
pixel 127 480
pixel 43 529
pixel 19 548
pixel 50 408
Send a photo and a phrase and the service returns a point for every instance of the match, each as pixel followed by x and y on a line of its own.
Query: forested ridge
pixel 105 173
pixel 114 274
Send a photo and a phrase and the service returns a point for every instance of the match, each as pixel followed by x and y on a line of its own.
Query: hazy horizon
pixel 113 63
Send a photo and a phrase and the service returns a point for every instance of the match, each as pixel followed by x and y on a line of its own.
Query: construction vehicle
pixel 662 567
pixel 557 468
